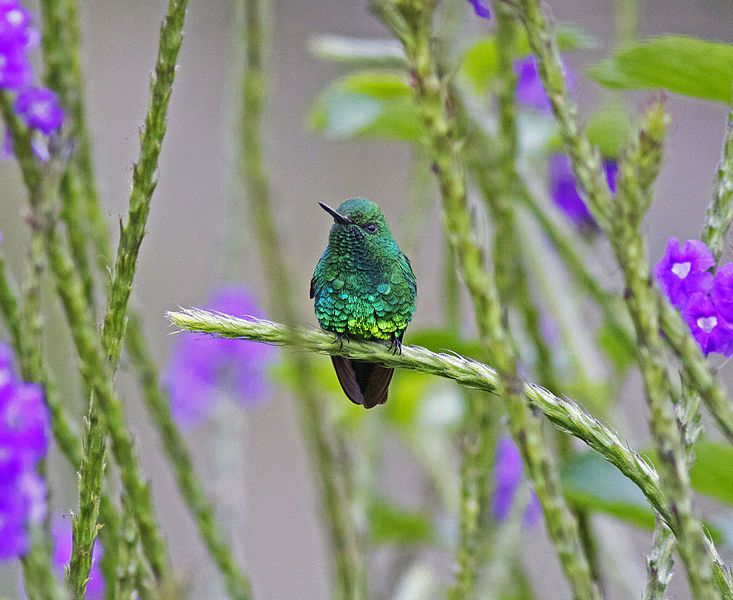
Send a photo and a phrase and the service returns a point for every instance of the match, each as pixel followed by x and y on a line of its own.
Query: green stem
pixel 64 75
pixel 563 412
pixel 411 22
pixel 238 585
pixel 346 559
pixel 622 220
pixel 61 50
pixel 720 211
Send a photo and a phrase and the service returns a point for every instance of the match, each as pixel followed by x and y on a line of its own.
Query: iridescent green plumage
pixel 363 287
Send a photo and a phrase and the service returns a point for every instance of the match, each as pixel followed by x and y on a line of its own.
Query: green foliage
pixel 712 473
pixel 480 62
pixel 391 524
pixel 592 483
pixel 683 65
pixel 368 104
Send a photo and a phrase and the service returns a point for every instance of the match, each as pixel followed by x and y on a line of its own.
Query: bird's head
pixel 359 222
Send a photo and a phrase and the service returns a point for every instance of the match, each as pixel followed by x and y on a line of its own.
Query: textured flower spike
pixel 564 191
pixel 508 476
pixel 61 534
pixel 712 332
pixel 683 271
pixel 481 8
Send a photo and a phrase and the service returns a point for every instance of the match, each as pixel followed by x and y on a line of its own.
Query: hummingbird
pixel 363 288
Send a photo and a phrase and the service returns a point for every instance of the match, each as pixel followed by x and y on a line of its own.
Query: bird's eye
pixel 371 227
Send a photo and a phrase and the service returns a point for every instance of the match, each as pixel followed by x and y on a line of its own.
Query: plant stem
pixel 411 22
pixel 636 173
pixel 238 585
pixel 61 50
pixel 720 211
pixel 563 412
pixel 64 75
pixel 346 559
pixel 622 221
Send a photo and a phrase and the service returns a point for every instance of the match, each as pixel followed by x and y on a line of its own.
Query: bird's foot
pixel 395 345
pixel 340 337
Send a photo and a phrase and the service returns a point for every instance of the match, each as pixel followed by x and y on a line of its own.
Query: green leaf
pixel 390 524
pixel 480 64
pixel 712 473
pixel 367 104
pixel 594 484
pixel 683 65
pixel 609 129
pixel 358 51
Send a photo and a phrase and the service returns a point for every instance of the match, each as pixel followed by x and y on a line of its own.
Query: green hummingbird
pixel 363 288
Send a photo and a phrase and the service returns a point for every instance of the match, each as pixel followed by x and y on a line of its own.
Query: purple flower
pixel 530 90
pixel 481 8
pixel 565 193
pixel 722 292
pixel 507 478
pixel 15 68
pixel 14 539
pixel 16 26
pixel 203 368
pixel 24 426
pixel 712 332
pixel 684 271
pixel 24 420
pixel 40 109
pixel 61 534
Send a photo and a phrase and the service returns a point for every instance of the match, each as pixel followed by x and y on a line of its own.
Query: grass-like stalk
pixel 588 173
pixel 622 223
pixel 637 171
pixel 411 22
pixel 131 236
pixel 720 211
pixel 659 563
pixel 237 583
pixel 113 329
pixel 563 412
pixel 61 51
pixel 345 544
pixel 63 73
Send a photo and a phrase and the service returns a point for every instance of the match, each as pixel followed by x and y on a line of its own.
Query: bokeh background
pixel 261 481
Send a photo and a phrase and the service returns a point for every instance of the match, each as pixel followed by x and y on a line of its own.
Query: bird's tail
pixel 364 383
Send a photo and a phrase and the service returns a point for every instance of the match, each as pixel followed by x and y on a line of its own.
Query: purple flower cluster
pixel 203 369
pixel 38 107
pixel 24 431
pixel 508 476
pixel 705 300
pixel 565 194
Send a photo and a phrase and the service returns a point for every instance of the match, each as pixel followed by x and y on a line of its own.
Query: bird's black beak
pixel 337 217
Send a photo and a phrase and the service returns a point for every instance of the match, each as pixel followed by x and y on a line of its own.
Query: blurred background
pixel 261 481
